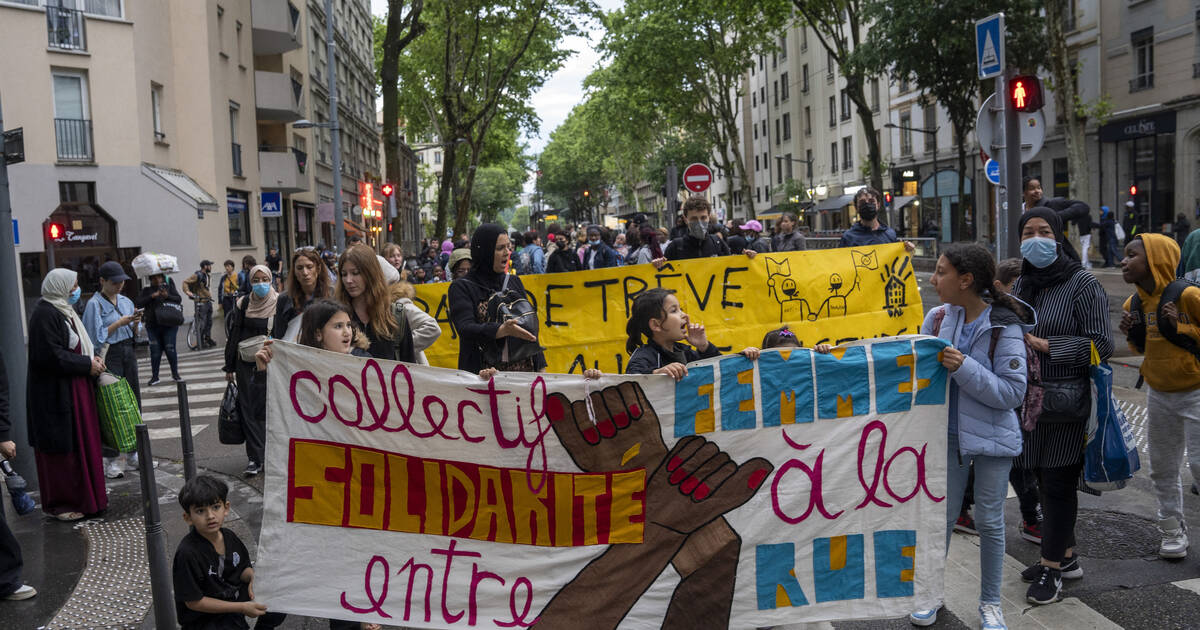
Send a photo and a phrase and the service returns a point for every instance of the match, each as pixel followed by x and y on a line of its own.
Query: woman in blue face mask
pixel 163 315
pixel 1072 314
pixel 64 425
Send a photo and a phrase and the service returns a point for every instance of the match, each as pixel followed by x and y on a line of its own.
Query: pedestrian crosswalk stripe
pixel 173 432
pixel 193 399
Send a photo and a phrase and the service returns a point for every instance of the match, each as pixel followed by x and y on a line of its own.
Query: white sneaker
pixel 25 592
pixel 114 468
pixel 1174 539
pixel 926 617
pixel 991 617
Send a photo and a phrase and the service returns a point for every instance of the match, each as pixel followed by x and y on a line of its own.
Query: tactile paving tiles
pixel 114 590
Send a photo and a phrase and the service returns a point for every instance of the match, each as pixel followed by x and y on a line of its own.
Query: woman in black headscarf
pixel 1072 314
pixel 468 298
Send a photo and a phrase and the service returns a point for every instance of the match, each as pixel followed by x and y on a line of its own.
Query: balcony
pixel 66 29
pixel 276 26
pixel 73 138
pixel 282 169
pixel 1141 82
pixel 278 96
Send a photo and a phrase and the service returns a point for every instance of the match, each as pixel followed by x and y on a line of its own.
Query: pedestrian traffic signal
pixel 55 231
pixel 1133 190
pixel 1025 93
pixel 387 190
pixel 887 198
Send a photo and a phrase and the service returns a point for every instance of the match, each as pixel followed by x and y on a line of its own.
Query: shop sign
pixel 1140 127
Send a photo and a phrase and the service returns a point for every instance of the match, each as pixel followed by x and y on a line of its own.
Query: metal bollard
pixel 185 431
pixel 156 543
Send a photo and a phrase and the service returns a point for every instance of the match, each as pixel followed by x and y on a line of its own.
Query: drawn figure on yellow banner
pixel 689 489
pixel 895 291
pixel 783 288
pixel 835 304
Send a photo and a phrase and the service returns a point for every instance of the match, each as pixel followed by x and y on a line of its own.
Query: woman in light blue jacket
pixel 986 360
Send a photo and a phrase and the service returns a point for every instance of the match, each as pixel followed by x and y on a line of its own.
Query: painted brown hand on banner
pixel 625 434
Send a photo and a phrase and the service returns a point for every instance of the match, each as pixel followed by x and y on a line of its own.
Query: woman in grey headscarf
pixel 64 424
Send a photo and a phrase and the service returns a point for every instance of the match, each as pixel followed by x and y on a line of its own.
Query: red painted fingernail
pixel 621 419
pixel 607 428
pixel 674 463
pixel 635 410
pixel 554 409
pixel 756 479
pixel 689 484
pixel 591 436
pixel 701 492
pixel 678 476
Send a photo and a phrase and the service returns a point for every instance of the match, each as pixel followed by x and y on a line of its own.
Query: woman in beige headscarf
pixel 64 425
pixel 261 313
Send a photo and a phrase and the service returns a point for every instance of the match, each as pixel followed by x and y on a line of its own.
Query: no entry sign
pixel 697 177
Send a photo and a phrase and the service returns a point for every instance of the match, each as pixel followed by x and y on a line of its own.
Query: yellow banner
pixel 824 296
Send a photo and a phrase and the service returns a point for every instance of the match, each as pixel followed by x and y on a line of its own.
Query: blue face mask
pixel 593 241
pixel 74 297
pixel 1040 251
pixel 261 289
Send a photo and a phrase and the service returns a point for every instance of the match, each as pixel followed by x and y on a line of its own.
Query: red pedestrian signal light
pixel 1133 191
pixel 388 190
pixel 887 198
pixel 1025 93
pixel 55 231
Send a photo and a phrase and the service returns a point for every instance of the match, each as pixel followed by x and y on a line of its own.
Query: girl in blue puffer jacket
pixel 986 360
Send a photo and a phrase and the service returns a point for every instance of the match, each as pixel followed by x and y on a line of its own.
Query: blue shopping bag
pixel 1111 457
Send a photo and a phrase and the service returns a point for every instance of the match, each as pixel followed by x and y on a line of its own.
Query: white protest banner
pixel 798 487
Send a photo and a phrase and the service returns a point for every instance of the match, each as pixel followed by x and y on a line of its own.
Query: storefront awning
pixel 835 203
pixel 182 186
pixel 900 202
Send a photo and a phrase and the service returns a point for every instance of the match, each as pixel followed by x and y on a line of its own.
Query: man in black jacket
pixel 698 242
pixel 564 258
pixel 11 586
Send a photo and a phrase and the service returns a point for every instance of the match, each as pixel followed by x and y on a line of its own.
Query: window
pixel 847 153
pixel 1062 179
pixel 437 157
pixel 845 105
pixel 930 112
pixel 787 161
pixel 1143 60
pixel 237 34
pixel 777 131
pixel 833 163
pixel 72 126
pixel 755 127
pixel 757 164
pixel 787 126
pixel 764 129
pixel 783 47
pixel 234 110
pixel 775 92
pixel 875 95
pixel 762 94
pixel 83 192
pixel 775 59
pixel 832 111
pixel 783 87
pixel 808 165
pixel 829 66
pixel 778 172
pixel 807 120
pixel 905 133
pixel 753 99
pixel 762 61
pixel 1068 20
pixel 221 31
pixel 803 38
pixel 804 78
pixel 108 8
pixel 156 96
pixel 239 217
pixel 904 85
pixel 766 167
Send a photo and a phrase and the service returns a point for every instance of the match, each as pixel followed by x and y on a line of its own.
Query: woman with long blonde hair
pixel 363 287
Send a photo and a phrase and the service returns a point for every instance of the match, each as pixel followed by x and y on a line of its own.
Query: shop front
pixel 1137 163
pixel 84 237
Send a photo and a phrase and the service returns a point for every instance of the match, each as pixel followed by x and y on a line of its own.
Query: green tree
pixel 931 43
pixel 399 30
pixel 687 59
pixel 573 165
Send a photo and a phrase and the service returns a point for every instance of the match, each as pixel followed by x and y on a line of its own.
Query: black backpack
pixel 1137 332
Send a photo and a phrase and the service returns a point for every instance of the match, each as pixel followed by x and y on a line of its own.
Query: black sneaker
pixel 153 382
pixel 1071 570
pixel 252 469
pixel 1047 588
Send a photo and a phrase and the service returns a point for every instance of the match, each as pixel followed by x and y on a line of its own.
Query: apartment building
pixel 167 127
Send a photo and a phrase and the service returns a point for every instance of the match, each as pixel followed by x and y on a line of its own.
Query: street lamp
pixel 931 132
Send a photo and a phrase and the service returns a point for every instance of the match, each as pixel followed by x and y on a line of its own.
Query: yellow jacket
pixel 1168 368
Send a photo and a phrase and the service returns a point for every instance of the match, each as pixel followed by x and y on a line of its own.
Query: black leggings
pixel 1024 483
pixel 1060 506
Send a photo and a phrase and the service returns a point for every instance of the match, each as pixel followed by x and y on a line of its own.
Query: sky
pixel 564 89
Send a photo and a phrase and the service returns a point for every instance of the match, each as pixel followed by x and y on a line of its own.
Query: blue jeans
pixel 162 339
pixel 991 488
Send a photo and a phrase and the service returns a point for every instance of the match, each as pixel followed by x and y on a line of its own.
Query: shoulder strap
pixel 992 346
pixel 399 340
pixel 1172 293
pixel 1137 332
pixel 937 320
pixel 504 285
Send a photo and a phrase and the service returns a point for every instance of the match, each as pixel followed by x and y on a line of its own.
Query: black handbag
pixel 229 422
pixel 1068 400
pixel 168 314
pixel 502 306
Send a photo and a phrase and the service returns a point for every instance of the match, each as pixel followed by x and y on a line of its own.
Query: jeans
pixel 204 312
pixel 162 339
pixel 991 488
pixel 1085 243
pixel 1174 419
pixel 10 558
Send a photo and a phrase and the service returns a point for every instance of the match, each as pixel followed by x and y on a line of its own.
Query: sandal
pixel 68 516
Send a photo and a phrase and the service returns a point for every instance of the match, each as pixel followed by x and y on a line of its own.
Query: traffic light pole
pixel 12 331
pixel 1008 240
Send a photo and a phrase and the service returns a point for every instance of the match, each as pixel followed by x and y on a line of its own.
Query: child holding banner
pixel 986 361
pixel 658 317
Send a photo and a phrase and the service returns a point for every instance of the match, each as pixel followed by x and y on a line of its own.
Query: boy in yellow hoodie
pixel 1171 370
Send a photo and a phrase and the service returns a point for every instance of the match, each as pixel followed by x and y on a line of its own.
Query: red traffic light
pixel 887 198
pixel 55 231
pixel 388 189
pixel 1025 93
pixel 1133 191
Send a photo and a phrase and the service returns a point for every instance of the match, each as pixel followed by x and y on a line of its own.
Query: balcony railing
pixel 74 139
pixel 66 28
pixel 237 159
pixel 1143 82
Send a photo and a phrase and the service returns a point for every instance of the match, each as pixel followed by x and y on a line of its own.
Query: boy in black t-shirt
pixel 212 571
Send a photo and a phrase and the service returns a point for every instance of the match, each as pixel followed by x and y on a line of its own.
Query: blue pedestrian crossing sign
pixel 989 46
pixel 992 170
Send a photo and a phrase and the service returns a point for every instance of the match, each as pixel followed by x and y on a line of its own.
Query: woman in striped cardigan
pixel 1072 314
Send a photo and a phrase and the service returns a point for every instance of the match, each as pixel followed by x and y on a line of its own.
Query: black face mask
pixel 867 211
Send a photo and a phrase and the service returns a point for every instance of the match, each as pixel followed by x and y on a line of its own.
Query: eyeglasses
pixel 306 248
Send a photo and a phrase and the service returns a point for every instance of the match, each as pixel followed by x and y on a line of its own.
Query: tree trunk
pixel 964 204
pixel 445 185
pixel 1067 97
pixel 395 40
